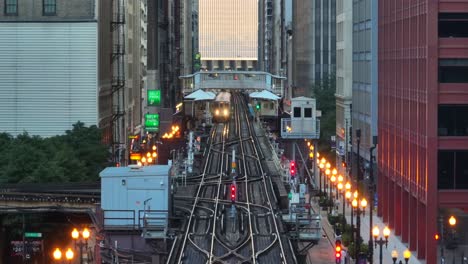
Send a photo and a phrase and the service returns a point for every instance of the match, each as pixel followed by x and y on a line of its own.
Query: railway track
pixel 218 230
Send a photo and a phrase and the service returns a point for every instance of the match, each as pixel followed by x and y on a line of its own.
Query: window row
pixel 453 169
pixel 453 25
pixel 49 7
pixel 452 120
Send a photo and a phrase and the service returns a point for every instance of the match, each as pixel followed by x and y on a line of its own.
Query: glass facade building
pixel 228 30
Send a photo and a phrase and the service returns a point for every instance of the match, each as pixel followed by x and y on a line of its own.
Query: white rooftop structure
pixel 303 122
pixel 265 95
pixel 200 95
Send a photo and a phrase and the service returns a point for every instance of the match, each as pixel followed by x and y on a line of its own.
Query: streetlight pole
pixel 381 242
pixel 75 235
pixel 355 204
pixel 358 178
pixel 371 201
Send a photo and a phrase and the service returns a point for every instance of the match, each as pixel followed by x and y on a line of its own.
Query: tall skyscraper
pixel 422 124
pixel 344 76
pixel 49 53
pixel 314 41
pixel 364 64
pixel 228 33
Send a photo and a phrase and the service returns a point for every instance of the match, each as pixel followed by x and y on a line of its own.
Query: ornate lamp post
pixel 452 222
pixel 69 254
pixel 381 242
pixel 81 243
pixel 363 204
pixel 325 180
pixel 321 167
pixel 406 255
pixel 394 256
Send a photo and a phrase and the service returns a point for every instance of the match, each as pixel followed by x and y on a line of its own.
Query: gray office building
pixel 364 101
pixel 314 43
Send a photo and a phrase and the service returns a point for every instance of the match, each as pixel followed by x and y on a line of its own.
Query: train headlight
pixel 226 112
pixel 217 112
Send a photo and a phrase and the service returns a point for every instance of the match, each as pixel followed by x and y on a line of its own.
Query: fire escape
pixel 179 15
pixel 118 81
pixel 268 49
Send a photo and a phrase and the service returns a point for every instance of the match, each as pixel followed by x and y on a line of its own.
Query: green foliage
pixel 334 219
pixel 364 249
pixel 325 95
pixel 77 156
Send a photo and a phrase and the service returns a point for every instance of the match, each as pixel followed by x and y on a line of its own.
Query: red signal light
pixel 233 192
pixel 338 251
pixel 292 168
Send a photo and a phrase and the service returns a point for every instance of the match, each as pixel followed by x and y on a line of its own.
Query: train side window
pixel 308 112
pixel 297 112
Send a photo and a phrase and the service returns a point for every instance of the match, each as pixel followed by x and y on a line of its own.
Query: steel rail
pixel 247 193
pixel 194 207
pixel 213 234
pixel 249 125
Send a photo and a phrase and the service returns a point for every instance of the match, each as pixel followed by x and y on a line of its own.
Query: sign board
pixel 135 156
pixel 152 122
pixel 33 235
pixel 32 247
pixel 154 97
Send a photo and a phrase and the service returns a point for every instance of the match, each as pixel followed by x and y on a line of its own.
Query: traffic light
pixel 233 192
pixel 338 251
pixel 258 106
pixel 292 168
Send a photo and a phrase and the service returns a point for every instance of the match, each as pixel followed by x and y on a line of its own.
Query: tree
pixel 324 92
pixel 77 156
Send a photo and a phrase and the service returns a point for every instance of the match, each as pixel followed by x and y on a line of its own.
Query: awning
pixel 200 95
pixel 266 95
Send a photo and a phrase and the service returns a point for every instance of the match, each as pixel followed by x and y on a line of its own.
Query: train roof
pixel 223 97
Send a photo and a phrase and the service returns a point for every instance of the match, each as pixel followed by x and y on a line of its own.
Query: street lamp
pixel 325 180
pixel 322 167
pixel 394 256
pixel 69 254
pixel 363 204
pixel 452 222
pixel 381 242
pixel 81 243
pixel 407 255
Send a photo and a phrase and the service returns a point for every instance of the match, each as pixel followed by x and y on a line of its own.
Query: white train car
pixel 221 108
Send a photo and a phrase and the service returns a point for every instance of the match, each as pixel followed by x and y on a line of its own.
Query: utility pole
pixel 358 180
pixel 371 198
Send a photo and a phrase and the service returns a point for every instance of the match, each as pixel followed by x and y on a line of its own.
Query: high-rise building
pixel 228 34
pixel 53 65
pixel 314 43
pixel 364 86
pixel 344 76
pixel 422 124
pixel 272 36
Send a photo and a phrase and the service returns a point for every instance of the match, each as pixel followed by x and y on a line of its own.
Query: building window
pixel 308 112
pixel 453 169
pixel 11 7
pixel 453 70
pixel 453 25
pixel 297 112
pixel 452 120
pixel 49 7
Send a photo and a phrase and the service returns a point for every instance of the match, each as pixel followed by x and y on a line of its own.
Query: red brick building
pixel 423 117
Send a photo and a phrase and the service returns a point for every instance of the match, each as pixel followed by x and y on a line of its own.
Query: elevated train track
pixel 219 231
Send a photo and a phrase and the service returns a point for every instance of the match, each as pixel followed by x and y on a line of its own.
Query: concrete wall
pixel 31 10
